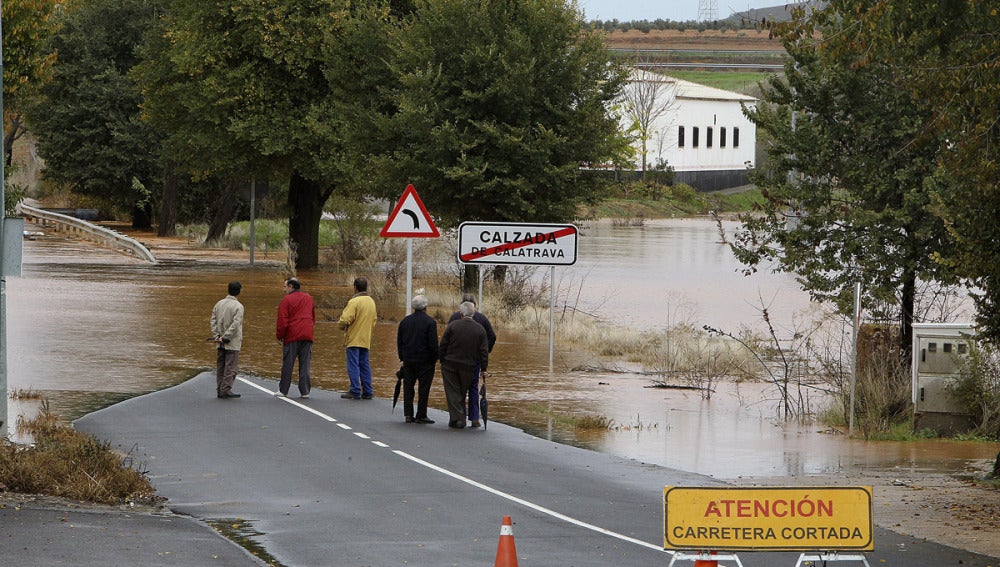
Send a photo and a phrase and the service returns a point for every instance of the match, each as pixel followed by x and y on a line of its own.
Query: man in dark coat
pixel 463 346
pixel 417 347
pixel 491 338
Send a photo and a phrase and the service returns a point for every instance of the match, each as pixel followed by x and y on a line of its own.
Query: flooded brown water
pixel 88 327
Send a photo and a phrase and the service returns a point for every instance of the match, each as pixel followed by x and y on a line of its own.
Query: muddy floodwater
pixel 89 327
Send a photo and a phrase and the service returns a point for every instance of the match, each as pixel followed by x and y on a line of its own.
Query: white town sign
pixel 517 243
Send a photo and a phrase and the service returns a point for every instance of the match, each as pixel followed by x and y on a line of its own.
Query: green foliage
pixel 12 195
pixel 497 106
pixel 243 87
pixel 949 50
pixel 86 119
pixel 269 90
pixel 27 61
pixel 901 431
pixel 977 389
pixel 847 182
pixel 683 192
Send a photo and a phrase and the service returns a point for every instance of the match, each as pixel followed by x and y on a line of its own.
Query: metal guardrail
pixel 88 231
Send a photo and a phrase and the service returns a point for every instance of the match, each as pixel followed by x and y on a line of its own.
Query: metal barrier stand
pixel 89 231
pixel 830 556
pixel 706 556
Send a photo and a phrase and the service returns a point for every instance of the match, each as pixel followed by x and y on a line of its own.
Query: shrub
pixel 977 389
pixel 70 464
pixel 683 192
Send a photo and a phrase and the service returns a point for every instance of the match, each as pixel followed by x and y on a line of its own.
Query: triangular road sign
pixel 410 218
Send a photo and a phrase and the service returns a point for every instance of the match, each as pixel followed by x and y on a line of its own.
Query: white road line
pixel 528 504
pixel 471 482
pixel 288 400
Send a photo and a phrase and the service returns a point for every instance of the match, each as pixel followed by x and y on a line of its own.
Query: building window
pixel 694 136
pixel 722 137
pixel 736 137
pixel 708 137
pixel 680 136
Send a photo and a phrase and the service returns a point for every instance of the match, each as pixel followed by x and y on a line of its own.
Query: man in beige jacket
pixel 227 330
pixel 358 319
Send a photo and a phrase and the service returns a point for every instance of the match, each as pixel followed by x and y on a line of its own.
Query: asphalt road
pixel 328 481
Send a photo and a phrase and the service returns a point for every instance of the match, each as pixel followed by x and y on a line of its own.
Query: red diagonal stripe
pixel 513 245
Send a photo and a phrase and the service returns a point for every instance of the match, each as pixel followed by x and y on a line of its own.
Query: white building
pixel 700 131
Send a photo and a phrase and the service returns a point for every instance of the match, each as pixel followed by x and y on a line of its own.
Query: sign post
pixel 409 219
pixel 521 244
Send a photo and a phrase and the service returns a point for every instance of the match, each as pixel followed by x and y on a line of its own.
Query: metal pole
pixel 3 277
pixel 479 272
pixel 552 314
pixel 854 353
pixel 253 203
pixel 409 275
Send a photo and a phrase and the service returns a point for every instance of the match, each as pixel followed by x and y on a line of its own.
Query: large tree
pixel 248 89
pixel 27 59
pixel 86 118
pixel 497 105
pixel 951 48
pixel 848 183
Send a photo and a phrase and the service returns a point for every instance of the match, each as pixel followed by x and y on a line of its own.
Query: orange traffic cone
pixel 506 554
pixel 706 562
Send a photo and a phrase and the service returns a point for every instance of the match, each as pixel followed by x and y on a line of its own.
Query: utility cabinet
pixel 939 350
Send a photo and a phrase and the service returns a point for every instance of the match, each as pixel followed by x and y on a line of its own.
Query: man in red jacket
pixel 296 318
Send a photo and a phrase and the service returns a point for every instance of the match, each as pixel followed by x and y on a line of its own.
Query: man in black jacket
pixel 417 347
pixel 463 346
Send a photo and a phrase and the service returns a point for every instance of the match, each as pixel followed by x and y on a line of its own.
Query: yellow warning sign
pixel 780 519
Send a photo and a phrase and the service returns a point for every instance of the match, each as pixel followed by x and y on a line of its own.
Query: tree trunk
pixel 470 279
pixel 996 467
pixel 223 211
pixel 142 215
pixel 499 275
pixel 168 204
pixel 907 298
pixel 305 204
pixel 11 133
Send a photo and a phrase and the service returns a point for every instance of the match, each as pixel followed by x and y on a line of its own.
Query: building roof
pixel 695 91
pixel 689 90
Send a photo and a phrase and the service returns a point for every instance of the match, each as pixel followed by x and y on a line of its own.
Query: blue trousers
pixel 359 371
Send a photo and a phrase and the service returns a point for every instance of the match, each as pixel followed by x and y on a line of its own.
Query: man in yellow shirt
pixel 358 319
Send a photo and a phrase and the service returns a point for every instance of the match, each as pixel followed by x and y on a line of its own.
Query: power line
pixel 708 10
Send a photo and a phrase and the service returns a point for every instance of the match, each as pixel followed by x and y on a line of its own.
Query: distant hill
pixel 779 13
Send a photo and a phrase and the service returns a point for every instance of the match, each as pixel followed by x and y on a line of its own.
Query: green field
pixel 736 81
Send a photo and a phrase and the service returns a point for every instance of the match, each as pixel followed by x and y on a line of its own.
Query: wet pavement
pixel 330 481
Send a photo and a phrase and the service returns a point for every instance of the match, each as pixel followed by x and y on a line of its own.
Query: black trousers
pixel 301 351
pixel 421 374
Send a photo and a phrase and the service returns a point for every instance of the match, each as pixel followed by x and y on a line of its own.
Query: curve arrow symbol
pixel 412 215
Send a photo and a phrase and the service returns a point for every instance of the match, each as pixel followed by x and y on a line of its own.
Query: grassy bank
pixel 674 202
pixel 66 463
